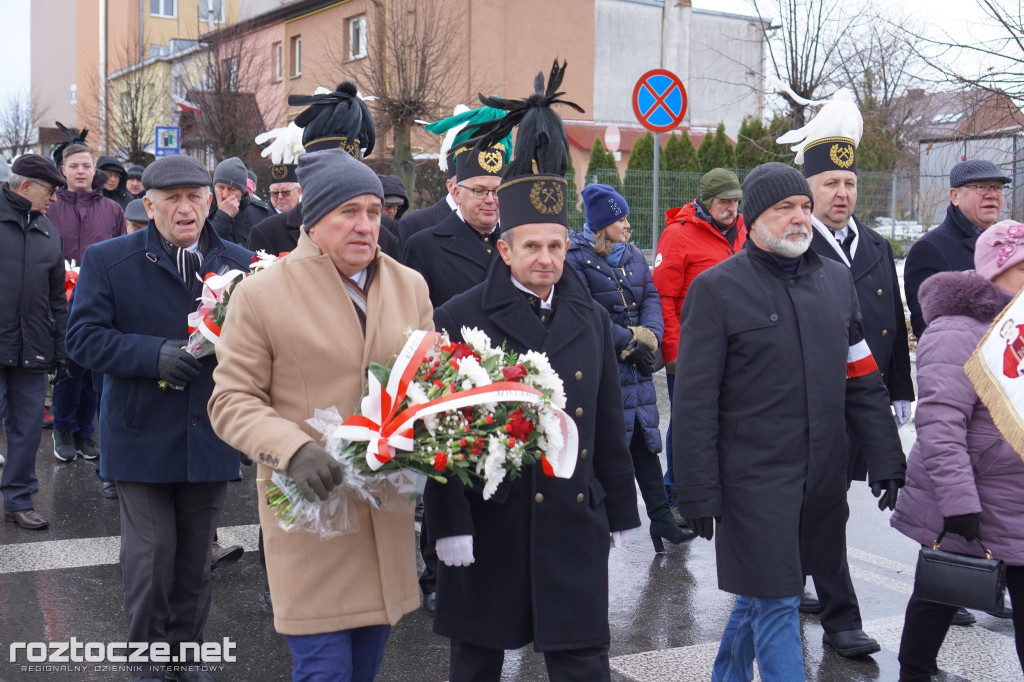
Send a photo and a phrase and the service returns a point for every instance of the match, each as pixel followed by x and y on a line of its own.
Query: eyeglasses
pixel 986 189
pixel 281 192
pixel 49 190
pixel 480 192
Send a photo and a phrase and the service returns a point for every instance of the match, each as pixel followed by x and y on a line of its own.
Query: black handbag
pixel 959 579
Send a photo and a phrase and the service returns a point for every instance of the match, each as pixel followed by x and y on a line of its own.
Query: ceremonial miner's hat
pixel 525 196
pixel 335 120
pixel 472 163
pixel 284 151
pixel 829 140
pixel 71 136
pixel 457 132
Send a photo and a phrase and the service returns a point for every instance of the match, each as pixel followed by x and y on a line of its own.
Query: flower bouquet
pixel 459 413
pixel 205 322
pixel 70 277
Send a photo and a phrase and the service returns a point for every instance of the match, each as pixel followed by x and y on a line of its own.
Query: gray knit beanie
pixel 232 172
pixel 769 184
pixel 329 178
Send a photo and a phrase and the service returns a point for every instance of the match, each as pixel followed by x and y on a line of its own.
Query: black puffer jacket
pixel 250 211
pixel 33 306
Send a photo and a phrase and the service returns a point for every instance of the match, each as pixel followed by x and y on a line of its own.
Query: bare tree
pixel 803 37
pixel 20 117
pixel 987 53
pixel 412 67
pixel 223 83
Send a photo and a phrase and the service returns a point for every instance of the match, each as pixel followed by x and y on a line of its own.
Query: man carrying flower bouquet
pixel 300 336
pixel 530 562
pixel 129 323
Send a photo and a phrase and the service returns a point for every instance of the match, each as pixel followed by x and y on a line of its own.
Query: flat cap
pixel 39 168
pixel 176 171
pixel 135 171
pixel 974 170
pixel 135 211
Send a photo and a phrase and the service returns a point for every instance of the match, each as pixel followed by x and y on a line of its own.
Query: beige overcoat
pixel 291 344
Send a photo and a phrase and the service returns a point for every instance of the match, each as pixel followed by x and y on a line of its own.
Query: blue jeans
pixel 670 474
pixel 343 656
pixel 765 629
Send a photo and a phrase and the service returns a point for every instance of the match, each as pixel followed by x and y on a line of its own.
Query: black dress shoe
pixel 27 518
pixel 108 489
pixel 429 600
pixel 222 557
pixel 851 643
pixel 963 618
pixel 809 603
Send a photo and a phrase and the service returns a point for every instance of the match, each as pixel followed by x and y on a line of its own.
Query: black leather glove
pixel 59 370
pixel 704 526
pixel 176 366
pixel 964 524
pixel 888 490
pixel 314 471
pixel 636 352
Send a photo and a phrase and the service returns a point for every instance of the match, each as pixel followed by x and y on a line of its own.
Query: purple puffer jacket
pixel 83 219
pixel 960 463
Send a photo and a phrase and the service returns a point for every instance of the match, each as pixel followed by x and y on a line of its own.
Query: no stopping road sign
pixel 659 101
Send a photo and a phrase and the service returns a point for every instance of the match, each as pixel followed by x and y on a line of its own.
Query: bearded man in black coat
pixel 773 366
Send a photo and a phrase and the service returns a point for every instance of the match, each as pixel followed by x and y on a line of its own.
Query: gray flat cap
pixel 975 170
pixel 176 171
pixel 135 211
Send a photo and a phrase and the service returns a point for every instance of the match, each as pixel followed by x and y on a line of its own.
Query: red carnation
pixel 514 372
pixel 519 426
pixel 440 461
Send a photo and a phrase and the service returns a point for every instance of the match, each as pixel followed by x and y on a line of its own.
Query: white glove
pixel 620 536
pixel 901 410
pixel 456 550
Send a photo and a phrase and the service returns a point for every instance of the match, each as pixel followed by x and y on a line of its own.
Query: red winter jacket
pixel 687 247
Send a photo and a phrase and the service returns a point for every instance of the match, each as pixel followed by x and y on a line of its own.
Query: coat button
pixel 588 262
pixel 634 304
pixel 538 498
pixel 578 375
pixel 773 317
pixel 878 293
pixel 885 332
pixel 579 498
pixel 792 283
pixel 490 250
pixel 579 411
pixel 195 421
pixel 583 453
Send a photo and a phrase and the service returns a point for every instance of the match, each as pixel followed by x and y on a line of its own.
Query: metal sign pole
pixel 654 223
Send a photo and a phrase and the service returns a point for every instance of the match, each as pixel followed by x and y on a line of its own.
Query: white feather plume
pixel 838 117
pixel 286 146
pixel 449 138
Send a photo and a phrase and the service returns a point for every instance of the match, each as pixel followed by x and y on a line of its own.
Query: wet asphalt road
pixel 666 614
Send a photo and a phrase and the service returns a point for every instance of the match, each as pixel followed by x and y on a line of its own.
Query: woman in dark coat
pixel 963 478
pixel 617 277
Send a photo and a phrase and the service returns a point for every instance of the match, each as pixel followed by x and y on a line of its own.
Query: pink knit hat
pixel 999 248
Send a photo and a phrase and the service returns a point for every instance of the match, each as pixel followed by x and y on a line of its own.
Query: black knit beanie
pixel 769 184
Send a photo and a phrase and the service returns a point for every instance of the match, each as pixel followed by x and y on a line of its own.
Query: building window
pixel 212 9
pixel 126 107
pixel 357 37
pixel 231 73
pixel 278 61
pixel 74 93
pixel 296 54
pixel 163 8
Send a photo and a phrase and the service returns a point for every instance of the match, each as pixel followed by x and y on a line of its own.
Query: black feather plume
pixel 541 137
pixel 338 113
pixel 72 136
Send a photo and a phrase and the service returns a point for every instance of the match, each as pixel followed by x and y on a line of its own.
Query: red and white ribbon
pixel 386 430
pixel 214 288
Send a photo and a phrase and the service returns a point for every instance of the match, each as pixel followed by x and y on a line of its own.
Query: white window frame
pixel 210 6
pixel 278 61
pixel 162 12
pixel 357 37
pixel 295 52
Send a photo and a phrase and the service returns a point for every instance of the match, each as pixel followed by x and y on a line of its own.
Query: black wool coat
pixel 277 234
pixel 881 308
pixel 423 219
pixel 541 543
pixel 950 246
pixel 760 414
pixel 450 257
pixel 250 211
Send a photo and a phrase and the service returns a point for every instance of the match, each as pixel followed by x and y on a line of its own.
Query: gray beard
pixel 785 247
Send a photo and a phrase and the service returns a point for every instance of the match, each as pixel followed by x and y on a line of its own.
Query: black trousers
pixel 471 663
pixel 840 610
pixel 649 477
pixel 926 624
pixel 428 578
pixel 166 537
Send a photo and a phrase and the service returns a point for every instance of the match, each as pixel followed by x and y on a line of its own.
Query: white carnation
pixel 470 369
pixel 479 342
pixel 545 378
pixel 417 396
pixel 493 466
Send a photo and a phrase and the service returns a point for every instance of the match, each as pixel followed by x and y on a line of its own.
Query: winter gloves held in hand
pixel 888 490
pixel 456 550
pixel 176 366
pixel 901 411
pixel 965 525
pixel 314 471
pixel 643 343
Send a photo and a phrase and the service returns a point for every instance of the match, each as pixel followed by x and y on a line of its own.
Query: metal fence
pixel 899 205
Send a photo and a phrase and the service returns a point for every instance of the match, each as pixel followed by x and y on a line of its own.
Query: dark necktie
pixel 845 243
pixel 542 314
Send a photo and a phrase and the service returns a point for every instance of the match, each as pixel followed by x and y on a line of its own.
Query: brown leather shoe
pixel 27 518
pixel 222 557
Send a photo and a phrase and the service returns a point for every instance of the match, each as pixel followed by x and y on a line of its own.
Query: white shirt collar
pixel 833 237
pixel 451 202
pixel 545 303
